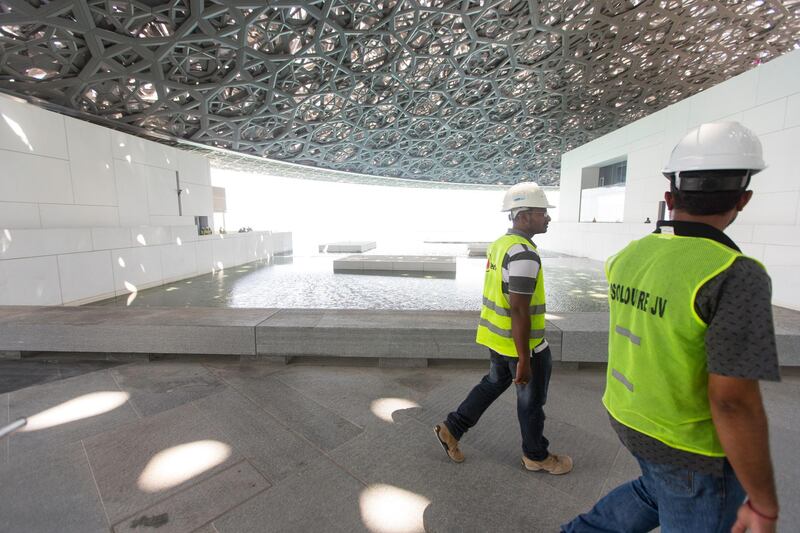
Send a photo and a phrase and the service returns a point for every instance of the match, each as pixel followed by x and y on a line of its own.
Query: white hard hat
pixel 716 146
pixel 525 194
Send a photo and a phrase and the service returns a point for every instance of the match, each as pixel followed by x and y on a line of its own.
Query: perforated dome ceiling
pixel 457 91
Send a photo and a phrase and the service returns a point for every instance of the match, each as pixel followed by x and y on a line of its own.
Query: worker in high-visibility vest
pixel 512 326
pixel 691 334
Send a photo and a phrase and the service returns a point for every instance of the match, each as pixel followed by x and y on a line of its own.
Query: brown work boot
pixel 553 464
pixel 449 443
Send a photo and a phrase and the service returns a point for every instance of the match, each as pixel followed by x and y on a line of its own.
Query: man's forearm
pixel 743 432
pixel 521 332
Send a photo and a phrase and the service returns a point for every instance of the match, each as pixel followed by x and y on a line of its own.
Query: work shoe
pixel 553 464
pixel 449 443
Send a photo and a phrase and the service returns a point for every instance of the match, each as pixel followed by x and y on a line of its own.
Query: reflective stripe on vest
pixel 657 381
pixel 494 327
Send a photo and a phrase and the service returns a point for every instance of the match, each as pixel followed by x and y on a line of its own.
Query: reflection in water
pixel 301 282
pixel 173 466
pixel 384 408
pixel 389 509
pixel 86 406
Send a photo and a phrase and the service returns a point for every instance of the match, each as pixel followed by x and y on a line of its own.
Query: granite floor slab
pixel 51 492
pixel 319 425
pixel 199 504
pixel 67 411
pixel 158 386
pixel 321 497
pixel 272 448
pixel 145 462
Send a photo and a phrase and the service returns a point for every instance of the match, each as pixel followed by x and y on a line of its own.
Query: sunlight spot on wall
pixel 18 131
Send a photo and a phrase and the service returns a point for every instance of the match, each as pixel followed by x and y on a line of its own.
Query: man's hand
pixel 523 371
pixel 749 520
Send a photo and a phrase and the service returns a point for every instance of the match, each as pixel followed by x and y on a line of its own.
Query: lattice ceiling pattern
pixel 475 91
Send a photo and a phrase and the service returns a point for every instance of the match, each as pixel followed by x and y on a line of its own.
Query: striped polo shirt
pixel 520 269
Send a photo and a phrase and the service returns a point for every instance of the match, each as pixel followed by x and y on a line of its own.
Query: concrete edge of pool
pixel 395 338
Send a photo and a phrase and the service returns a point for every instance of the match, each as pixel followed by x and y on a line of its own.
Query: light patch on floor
pixel 389 509
pixel 86 406
pixel 173 466
pixel 384 408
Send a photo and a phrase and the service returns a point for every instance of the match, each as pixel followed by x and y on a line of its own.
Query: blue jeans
pixel 530 400
pixel 677 499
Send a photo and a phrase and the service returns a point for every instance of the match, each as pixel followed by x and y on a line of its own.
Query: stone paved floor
pixel 213 446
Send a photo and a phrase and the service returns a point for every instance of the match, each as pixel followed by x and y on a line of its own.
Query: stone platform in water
pixel 439 265
pixel 350 247
pixel 477 249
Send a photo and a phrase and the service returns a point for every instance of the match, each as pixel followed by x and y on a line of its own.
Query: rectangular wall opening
pixel 603 191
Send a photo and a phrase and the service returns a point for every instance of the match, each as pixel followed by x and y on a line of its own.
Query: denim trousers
pixel 530 400
pixel 677 499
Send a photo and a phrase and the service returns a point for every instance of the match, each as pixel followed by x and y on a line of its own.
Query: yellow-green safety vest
pixel 657 381
pixel 494 327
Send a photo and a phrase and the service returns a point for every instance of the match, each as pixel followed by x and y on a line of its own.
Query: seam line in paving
pixel 608 474
pixel 96 485
pixel 8 421
pixel 271 481
pixel 191 486
pixel 298 434
pixel 130 399
pixel 309 398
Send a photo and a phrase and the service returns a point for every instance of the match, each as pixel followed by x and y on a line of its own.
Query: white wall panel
pixel 31 281
pixel 184 233
pixel 792 111
pixel 17 215
pixel 782 154
pixel 20 243
pixel 779 235
pixel 29 129
pixel 128 148
pixel 204 252
pixel 33 178
pixel 224 249
pixel 131 193
pixel 162 191
pixel 151 235
pixel 771 208
pixel 136 267
pixel 197 200
pixel 721 100
pixel 781 255
pixel 91 163
pixel 77 216
pixel 164 220
pixel 108 238
pixel 765 118
pixel 178 261
pixel 85 275
pixel 193 168
pixel 779 77
pixel 785 286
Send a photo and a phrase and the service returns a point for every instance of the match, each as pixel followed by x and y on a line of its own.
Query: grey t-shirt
pixel 740 340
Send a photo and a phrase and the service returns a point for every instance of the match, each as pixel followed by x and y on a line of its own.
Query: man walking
pixel 512 327
pixel 691 334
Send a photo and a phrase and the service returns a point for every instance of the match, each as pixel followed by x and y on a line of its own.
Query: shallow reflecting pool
pixel 573 284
